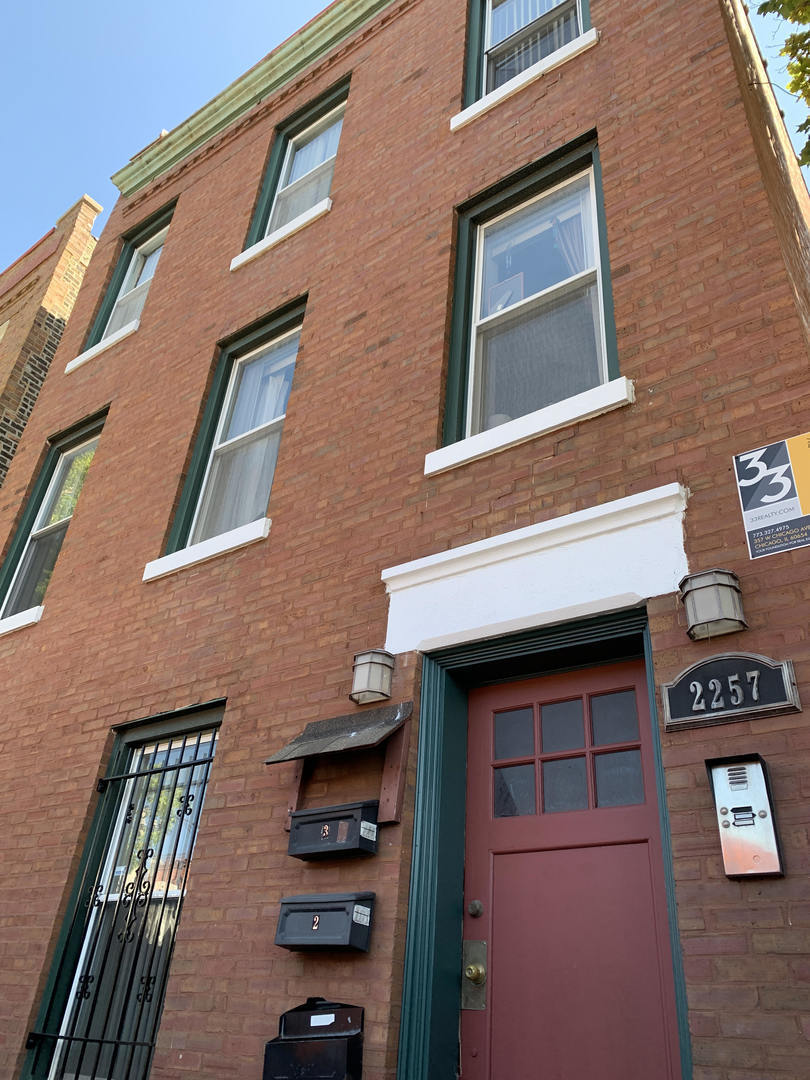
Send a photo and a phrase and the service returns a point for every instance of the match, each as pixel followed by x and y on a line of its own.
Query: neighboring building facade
pixel 436 333
pixel 37 294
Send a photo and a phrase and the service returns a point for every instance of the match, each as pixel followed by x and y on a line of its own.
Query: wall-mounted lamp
pixel 373 671
pixel 713 603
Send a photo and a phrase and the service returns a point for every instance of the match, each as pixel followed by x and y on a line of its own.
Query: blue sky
pixel 85 86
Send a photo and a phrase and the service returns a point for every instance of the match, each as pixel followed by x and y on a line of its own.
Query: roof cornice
pixel 278 68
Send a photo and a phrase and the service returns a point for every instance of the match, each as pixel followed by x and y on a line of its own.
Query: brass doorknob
pixel 476 973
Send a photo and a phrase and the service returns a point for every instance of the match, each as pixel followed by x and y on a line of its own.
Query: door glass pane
pixel 562 726
pixel 514 734
pixel 565 785
pixel 614 718
pixel 514 791
pixel 618 779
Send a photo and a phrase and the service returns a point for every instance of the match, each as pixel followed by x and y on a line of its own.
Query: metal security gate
pixel 125 922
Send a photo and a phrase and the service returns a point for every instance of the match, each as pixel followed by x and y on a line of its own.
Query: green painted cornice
pixel 278 68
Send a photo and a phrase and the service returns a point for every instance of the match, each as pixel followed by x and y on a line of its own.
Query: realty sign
pixel 774 487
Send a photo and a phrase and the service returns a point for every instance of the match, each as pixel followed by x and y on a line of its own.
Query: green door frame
pixel 428 1046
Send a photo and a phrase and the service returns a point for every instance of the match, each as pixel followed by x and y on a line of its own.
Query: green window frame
pixel 476 82
pixel 129 284
pixel 115 791
pixel 513 193
pixel 51 487
pixel 281 149
pixel 220 398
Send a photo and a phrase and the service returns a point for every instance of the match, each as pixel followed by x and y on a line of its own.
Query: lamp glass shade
pixel 713 604
pixel 373 672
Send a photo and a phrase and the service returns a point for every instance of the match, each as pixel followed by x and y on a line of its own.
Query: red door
pixel 563 855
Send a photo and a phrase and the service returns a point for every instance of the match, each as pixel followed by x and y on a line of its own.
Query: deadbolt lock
pixel 476 973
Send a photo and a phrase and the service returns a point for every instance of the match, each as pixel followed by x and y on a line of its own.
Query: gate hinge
pixel 101 785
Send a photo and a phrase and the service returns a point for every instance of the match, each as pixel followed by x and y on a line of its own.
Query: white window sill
pixel 314 212
pixel 600 399
pixel 103 345
pixel 207 549
pixel 22 618
pixel 542 67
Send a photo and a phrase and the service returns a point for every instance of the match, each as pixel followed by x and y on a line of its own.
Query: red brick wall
pixel 708 331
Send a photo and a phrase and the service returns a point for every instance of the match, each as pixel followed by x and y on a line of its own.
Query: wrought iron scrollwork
pixel 185 802
pixel 147 988
pixel 136 893
pixel 83 990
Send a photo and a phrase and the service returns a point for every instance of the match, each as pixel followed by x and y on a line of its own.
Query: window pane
pixel 614 717
pixel 127 309
pixel 618 779
pixel 35 571
pixel 509 16
pixel 565 785
pixel 562 726
pixel 546 38
pixel 315 151
pixel 543 244
pixel 71 475
pixel 148 265
pixel 514 791
pixel 300 197
pixel 262 387
pixel 538 357
pixel 514 734
pixel 238 486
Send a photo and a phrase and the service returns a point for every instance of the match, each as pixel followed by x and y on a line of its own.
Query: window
pixel 509 36
pixel 125 298
pixel 28 568
pixel 299 172
pixel 103 1005
pixel 232 468
pixel 537 329
pixel 521 32
pixel 242 462
pixel 533 322
pixel 306 178
pixel 132 296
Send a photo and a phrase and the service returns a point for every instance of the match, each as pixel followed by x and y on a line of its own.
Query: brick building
pixel 37 294
pixel 452 362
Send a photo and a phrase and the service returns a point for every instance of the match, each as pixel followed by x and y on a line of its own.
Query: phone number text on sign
pixel 774 487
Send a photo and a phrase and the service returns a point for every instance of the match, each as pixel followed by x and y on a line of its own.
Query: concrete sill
pixel 22 618
pixel 103 345
pixel 542 67
pixel 314 212
pixel 600 399
pixel 207 549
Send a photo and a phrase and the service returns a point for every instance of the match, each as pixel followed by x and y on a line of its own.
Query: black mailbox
pixel 350 829
pixel 330 921
pixel 319 1040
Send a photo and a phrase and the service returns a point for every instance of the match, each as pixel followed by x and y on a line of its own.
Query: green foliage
pixel 797 50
